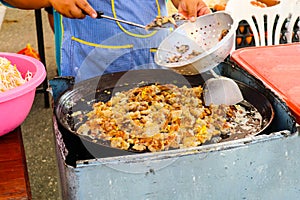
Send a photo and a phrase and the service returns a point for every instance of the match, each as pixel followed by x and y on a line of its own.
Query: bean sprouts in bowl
pixel 15 103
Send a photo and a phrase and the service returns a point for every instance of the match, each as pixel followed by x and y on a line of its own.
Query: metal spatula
pixel 100 15
pixel 167 24
pixel 221 90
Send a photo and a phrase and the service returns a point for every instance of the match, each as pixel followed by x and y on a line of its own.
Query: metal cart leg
pixel 40 39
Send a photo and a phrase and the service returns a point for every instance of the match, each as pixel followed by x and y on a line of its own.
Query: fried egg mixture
pixel 159 117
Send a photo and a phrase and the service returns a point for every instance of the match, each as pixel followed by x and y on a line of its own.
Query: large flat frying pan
pixel 80 98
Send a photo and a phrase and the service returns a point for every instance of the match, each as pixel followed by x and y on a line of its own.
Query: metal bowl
pixel 203 36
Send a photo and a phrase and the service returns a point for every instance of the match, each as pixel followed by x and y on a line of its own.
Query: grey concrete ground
pixel 17 30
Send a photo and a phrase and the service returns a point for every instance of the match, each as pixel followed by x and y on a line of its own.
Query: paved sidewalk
pixel 18 29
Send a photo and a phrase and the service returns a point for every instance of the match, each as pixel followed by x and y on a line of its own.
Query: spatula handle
pixel 101 15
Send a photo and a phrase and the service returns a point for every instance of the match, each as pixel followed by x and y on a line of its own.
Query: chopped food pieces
pixel 10 77
pixel 174 59
pixel 182 49
pixel 223 34
pixel 160 21
pixel 159 117
pixel 193 54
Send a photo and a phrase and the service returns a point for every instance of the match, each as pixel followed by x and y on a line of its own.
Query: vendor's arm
pixel 28 4
pixel 191 8
pixel 68 8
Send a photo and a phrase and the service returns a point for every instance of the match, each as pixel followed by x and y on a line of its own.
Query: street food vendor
pixel 88 47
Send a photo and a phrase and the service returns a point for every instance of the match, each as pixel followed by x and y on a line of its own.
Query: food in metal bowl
pixel 161 117
pixel 181 51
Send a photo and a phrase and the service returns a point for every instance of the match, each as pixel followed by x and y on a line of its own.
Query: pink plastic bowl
pixel 15 104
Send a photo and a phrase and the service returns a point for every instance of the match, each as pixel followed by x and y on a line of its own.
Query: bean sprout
pixel 10 76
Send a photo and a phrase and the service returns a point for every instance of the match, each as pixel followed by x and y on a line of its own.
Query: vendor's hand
pixel 191 8
pixel 73 8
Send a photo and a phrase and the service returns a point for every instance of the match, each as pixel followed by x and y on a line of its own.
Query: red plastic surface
pixel 278 67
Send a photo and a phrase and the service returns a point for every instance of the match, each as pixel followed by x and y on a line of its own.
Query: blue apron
pixel 92 47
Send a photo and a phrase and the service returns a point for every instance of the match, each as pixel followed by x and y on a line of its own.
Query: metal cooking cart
pixel 260 167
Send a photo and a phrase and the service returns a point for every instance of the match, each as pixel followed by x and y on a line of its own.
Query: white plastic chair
pixel 244 10
pixel 294 16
